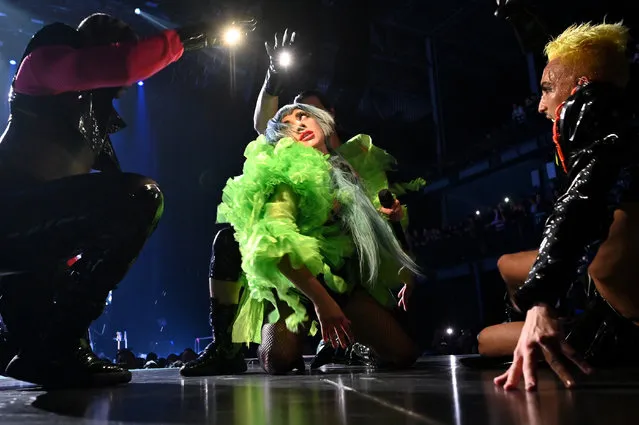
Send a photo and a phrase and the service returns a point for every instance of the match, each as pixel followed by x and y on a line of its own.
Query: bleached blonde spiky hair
pixel 597 51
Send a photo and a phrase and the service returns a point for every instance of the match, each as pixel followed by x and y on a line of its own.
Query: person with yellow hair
pixel 591 235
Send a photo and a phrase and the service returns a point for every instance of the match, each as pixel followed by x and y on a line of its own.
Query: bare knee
pixel 483 342
pixel 514 268
pixel 499 340
pixel 508 267
pixel 502 263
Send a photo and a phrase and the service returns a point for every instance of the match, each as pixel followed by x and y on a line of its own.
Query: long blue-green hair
pixel 372 236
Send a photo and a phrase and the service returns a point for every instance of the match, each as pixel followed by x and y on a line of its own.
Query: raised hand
pixel 245 26
pixel 209 34
pixel 275 77
pixel 274 52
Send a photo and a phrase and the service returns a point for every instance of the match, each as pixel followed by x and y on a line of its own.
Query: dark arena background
pixel 447 87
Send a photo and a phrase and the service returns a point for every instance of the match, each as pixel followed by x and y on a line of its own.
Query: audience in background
pixel 518 115
pixel 127 359
pixel 507 227
pixel 525 124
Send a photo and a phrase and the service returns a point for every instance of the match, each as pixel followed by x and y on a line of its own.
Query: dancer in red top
pixel 58 133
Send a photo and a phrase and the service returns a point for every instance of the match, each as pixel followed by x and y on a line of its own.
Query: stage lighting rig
pixel 235 33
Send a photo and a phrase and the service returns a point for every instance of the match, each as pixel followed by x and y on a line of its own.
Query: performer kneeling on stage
pixel 372 165
pixel 221 356
pixel 593 229
pixel 312 246
pixel 68 236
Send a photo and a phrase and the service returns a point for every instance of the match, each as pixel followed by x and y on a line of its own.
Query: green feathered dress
pixel 283 204
pixel 372 164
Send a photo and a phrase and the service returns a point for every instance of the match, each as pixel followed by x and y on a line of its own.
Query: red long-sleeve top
pixel 51 70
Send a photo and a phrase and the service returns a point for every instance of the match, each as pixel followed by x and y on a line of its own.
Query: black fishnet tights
pixel 281 350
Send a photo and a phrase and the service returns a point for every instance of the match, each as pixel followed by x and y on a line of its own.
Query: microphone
pixel 387 200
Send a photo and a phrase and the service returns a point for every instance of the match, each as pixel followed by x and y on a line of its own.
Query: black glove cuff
pixel 193 37
pixel 532 294
pixel 274 84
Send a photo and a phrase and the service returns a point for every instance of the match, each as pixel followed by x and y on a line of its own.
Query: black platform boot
pixel 59 355
pixel 221 356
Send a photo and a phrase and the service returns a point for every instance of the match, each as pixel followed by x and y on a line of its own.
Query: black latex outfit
pixel 65 243
pixel 598 143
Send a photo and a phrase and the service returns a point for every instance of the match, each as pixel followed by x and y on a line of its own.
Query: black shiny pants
pixel 69 242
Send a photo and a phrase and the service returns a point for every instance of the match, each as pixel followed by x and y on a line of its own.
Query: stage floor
pixel 438 391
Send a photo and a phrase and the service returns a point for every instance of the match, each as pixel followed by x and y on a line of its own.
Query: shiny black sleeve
pixel 574 231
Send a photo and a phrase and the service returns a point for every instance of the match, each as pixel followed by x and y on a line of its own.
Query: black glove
pixel 530 30
pixel 202 35
pixel 275 76
pixel 195 37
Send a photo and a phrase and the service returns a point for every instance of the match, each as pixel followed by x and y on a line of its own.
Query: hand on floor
pixel 541 334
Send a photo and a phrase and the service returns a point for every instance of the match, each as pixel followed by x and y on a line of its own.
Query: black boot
pixel 20 305
pixel 603 337
pixel 58 354
pixel 325 354
pixel 355 354
pixel 221 356
pixel 8 348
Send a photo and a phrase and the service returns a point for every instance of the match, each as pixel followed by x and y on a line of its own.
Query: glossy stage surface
pixel 440 390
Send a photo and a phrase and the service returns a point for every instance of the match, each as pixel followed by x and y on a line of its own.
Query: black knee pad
pixel 144 195
pixel 144 190
pixel 226 259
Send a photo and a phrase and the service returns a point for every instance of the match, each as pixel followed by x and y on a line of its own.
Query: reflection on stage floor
pixel 439 390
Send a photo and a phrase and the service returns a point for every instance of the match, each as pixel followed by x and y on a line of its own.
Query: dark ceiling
pixel 369 56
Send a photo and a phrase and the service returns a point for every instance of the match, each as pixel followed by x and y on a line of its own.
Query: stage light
pixel 137 11
pixel 449 331
pixel 477 212
pixel 506 199
pixel 286 59
pixel 12 62
pixel 232 36
pixel 140 83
